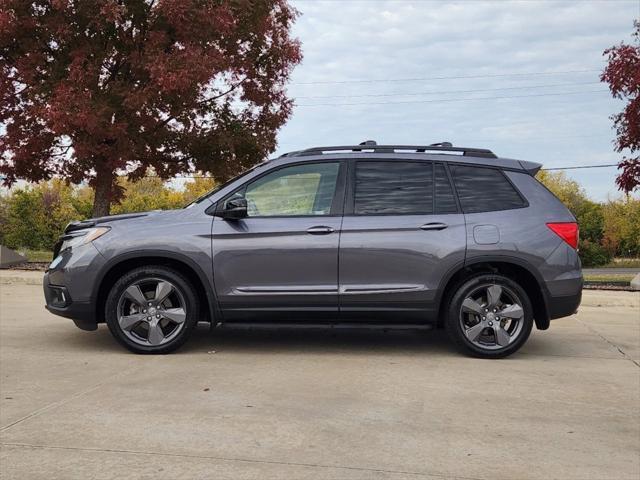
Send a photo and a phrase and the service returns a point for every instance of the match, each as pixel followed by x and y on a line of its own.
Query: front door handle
pixel 434 226
pixel 320 230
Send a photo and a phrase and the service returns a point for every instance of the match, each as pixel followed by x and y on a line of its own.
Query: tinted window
pixel 445 200
pixel 394 187
pixel 484 189
pixel 296 190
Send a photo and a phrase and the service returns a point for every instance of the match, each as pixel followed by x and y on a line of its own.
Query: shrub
pixel 34 216
pixel 592 254
pixel 621 233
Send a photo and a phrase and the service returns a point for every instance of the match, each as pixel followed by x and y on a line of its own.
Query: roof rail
pixel 371 146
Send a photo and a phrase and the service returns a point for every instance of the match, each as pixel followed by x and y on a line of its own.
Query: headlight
pixel 81 237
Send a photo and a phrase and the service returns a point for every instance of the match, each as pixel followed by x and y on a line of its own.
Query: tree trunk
pixel 103 192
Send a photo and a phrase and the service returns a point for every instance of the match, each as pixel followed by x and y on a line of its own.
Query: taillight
pixel 567 231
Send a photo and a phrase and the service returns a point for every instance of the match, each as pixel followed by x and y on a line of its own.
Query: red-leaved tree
pixel 93 88
pixel 623 76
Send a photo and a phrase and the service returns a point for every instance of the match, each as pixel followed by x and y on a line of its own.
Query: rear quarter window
pixel 484 189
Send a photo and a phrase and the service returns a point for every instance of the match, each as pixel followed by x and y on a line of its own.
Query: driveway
pixel 319 404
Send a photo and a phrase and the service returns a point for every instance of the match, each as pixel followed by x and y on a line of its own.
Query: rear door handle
pixel 320 230
pixel 434 226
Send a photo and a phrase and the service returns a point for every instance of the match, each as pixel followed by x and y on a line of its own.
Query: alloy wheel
pixel 151 312
pixel 492 316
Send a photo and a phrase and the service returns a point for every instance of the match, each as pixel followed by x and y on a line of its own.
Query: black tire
pixel 454 317
pixel 181 285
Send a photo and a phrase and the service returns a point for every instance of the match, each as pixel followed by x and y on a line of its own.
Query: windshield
pixel 217 188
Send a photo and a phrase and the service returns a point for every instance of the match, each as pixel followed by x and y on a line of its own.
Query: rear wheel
pixel 152 310
pixel 489 316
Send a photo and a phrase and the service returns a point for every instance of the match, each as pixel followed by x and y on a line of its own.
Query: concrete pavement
pixel 21 277
pixel 319 404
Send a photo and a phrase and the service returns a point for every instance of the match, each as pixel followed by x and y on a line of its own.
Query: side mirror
pixel 234 209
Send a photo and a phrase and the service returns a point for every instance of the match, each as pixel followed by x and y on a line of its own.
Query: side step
pixel 325 326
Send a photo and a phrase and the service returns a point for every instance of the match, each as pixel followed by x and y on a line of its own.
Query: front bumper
pixel 69 286
pixel 82 313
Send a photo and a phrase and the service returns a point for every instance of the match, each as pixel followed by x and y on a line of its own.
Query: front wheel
pixel 490 316
pixel 152 309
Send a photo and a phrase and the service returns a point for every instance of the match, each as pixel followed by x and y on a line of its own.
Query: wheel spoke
pixel 502 336
pixel 474 332
pixel 155 334
pixel 163 290
pixel 494 292
pixel 471 306
pixel 127 322
pixel 512 311
pixel 134 294
pixel 176 315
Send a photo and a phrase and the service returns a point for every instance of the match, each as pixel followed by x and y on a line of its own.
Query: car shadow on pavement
pixel 275 339
pixel 74 339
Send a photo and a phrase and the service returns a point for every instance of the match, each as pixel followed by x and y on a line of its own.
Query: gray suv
pixel 365 235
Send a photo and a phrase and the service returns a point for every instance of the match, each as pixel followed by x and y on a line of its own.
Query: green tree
pixel 82 200
pixel 568 191
pixel 4 205
pixel 622 227
pixel 35 216
pixel 591 219
pixel 149 193
pixel 196 188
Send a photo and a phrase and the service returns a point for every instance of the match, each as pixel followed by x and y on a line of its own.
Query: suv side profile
pixel 393 236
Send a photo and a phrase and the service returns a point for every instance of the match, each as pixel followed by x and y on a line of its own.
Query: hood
pixel 92 222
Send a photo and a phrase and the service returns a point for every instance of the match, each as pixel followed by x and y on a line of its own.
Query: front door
pixel 282 259
pixel 402 232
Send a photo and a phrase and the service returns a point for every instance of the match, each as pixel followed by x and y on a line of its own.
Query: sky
pixel 518 77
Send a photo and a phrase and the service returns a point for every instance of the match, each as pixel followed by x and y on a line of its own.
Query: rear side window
pixel 393 188
pixel 484 189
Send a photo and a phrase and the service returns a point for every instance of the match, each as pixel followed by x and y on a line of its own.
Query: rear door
pixel 401 234
pixel 283 258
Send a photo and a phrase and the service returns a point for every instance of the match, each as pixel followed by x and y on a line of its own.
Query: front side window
pixel 290 191
pixel 482 189
pixel 393 188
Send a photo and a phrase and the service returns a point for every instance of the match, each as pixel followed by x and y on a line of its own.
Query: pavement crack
pixel 66 399
pixel 622 352
pixel 243 460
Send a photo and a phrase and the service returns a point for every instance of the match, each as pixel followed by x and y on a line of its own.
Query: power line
pixel 398 94
pixel 583 166
pixel 459 77
pixel 442 100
